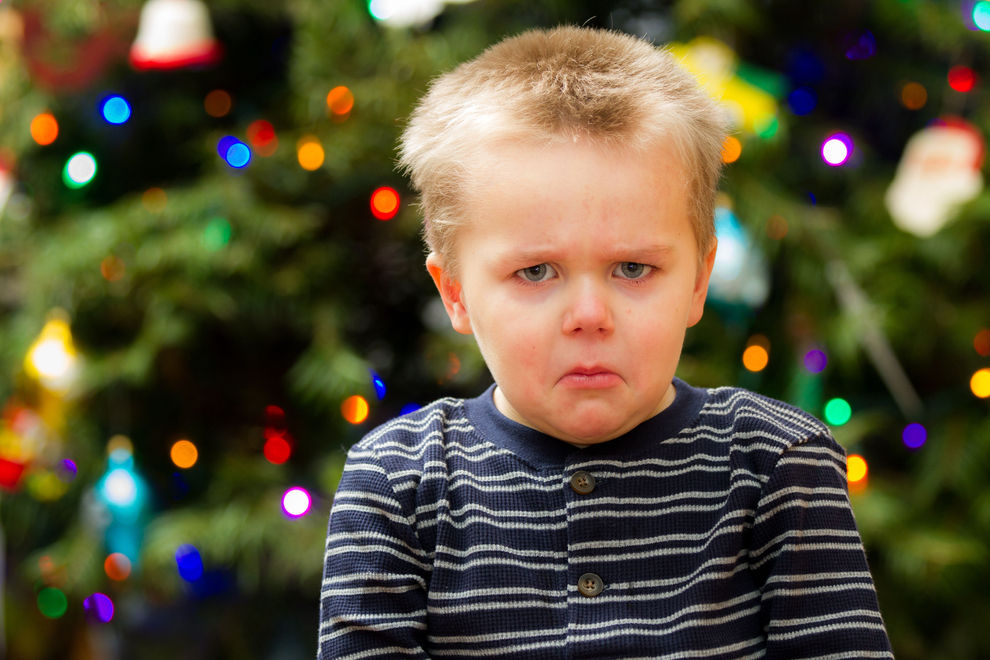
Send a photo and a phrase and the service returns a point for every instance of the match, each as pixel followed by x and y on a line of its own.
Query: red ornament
pixel 10 473
pixel 962 78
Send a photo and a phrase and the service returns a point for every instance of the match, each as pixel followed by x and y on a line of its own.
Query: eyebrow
pixel 650 252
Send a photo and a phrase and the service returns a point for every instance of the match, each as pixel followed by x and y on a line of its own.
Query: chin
pixel 591 431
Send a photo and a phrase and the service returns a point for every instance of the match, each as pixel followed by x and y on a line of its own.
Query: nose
pixel 588 310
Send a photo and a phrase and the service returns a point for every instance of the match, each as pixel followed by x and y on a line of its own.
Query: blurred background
pixel 211 285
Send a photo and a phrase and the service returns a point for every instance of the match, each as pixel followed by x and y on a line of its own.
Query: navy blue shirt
pixel 720 528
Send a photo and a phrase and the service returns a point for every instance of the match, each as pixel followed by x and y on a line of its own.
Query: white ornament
pixel 741 274
pixel 405 13
pixel 173 34
pixel 6 187
pixel 940 170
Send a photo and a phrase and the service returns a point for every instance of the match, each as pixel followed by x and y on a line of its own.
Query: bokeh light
pixel 52 603
pixel 154 199
pixel 802 100
pixel 757 354
pixel 115 109
pixel 861 45
pixel 189 563
pixel 731 149
pixel 815 361
pixel 379 385
pixel 98 607
pixel 981 342
pixel 52 358
pixel 914 96
pixel 856 468
pixel 117 566
pixel 261 135
pixel 962 78
pixel 184 454
pixel 409 408
pixel 837 149
pixel 837 411
pixel 277 447
pixel 914 435
pixel 120 447
pixel 216 234
pixel 67 470
pixel 980 383
pixel 277 450
pixel 777 227
pixel 79 170
pixel 384 203
pixel 755 358
pixel 340 102
pixel 218 103
pixel 310 153
pixel 981 15
pixel 355 409
pixel 44 128
pixel 234 152
pixel 120 487
pixel 296 502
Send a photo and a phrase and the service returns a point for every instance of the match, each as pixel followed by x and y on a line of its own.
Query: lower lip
pixel 596 381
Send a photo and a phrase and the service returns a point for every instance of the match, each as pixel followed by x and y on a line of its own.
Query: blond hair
pixel 563 84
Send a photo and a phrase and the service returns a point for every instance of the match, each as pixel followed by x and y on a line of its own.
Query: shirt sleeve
pixel 818 598
pixel 373 600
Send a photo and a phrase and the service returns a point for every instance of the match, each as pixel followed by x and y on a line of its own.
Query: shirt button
pixel 582 482
pixel 590 585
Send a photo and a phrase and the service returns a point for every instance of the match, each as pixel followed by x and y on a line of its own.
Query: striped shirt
pixel 720 528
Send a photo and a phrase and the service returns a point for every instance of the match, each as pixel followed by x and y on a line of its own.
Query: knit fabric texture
pixel 720 528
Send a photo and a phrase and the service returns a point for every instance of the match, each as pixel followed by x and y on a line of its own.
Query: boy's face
pixel 578 274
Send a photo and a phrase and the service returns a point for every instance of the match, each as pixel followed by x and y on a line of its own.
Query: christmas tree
pixel 212 284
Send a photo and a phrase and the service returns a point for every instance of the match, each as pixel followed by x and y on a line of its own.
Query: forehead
pixel 547 193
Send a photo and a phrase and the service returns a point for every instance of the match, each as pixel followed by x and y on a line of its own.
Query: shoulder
pixel 768 437
pixel 406 446
pixel 413 429
pixel 749 414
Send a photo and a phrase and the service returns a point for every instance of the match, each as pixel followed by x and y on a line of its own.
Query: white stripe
pixel 490 547
pixel 416 625
pixel 498 561
pixel 385 651
pixel 780 623
pixel 802 547
pixel 362 576
pixel 494 592
pixel 660 632
pixel 802 490
pixel 719 528
pixel 508 513
pixel 378 550
pixel 365 535
pixel 496 605
pixel 851 655
pixel 802 533
pixel 818 591
pixel 800 504
pixel 363 591
pixel 372 510
pixel 850 625
pixel 820 577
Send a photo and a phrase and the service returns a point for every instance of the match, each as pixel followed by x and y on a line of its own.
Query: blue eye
pixel 538 273
pixel 631 270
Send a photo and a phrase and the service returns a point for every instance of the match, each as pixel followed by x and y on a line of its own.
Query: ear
pixel 450 292
pixel 701 285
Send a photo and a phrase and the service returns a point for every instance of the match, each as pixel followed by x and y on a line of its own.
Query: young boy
pixel 589 504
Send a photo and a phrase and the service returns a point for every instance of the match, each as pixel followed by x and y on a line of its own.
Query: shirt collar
pixel 545 451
